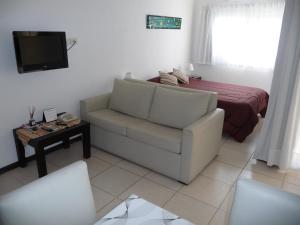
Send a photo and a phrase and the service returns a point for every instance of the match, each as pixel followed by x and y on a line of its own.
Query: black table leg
pixel 41 161
pixel 39 143
pixel 66 142
pixel 20 151
pixel 86 142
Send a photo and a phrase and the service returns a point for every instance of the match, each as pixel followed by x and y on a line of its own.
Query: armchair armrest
pixel 201 142
pixel 93 104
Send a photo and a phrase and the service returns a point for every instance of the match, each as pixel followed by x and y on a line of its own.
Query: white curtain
pixel 202 46
pixel 244 35
pixel 279 137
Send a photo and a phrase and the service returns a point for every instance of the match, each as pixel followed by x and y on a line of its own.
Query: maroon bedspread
pixel 241 104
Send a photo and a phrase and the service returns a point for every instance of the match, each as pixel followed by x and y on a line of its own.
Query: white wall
pixel 112 40
pixel 256 78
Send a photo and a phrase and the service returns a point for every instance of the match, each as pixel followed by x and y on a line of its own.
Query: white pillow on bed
pixel 169 79
pixel 181 76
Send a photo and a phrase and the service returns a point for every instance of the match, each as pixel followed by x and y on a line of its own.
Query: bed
pixel 242 105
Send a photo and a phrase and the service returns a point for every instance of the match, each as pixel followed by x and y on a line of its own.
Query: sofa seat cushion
pixel 112 121
pixel 156 135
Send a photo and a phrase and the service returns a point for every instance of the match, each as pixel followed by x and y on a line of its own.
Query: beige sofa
pixel 174 131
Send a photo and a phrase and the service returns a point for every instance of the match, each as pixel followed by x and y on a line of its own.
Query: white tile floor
pixel 204 201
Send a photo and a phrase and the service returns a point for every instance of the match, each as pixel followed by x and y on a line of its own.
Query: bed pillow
pixel 180 76
pixel 177 109
pixel 169 79
pixel 132 98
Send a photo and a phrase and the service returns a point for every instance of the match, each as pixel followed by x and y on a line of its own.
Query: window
pixel 245 35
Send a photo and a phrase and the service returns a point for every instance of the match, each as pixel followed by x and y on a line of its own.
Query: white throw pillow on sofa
pixel 177 109
pixel 131 98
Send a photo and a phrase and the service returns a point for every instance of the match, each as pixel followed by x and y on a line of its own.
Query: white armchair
pixel 260 204
pixel 61 198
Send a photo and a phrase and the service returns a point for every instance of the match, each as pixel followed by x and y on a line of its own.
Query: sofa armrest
pixel 201 142
pixel 93 104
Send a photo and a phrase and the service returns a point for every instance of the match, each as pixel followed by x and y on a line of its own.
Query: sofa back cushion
pixel 131 98
pixel 212 104
pixel 178 109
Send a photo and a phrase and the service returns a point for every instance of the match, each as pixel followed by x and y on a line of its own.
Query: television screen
pixel 36 51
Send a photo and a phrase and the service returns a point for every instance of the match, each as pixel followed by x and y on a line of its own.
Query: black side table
pixel 62 135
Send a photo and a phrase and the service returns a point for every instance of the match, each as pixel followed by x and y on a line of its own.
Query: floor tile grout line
pixel 114 196
pixel 141 178
pixel 100 189
pixel 165 186
pixel 288 182
pixel 222 180
pixel 232 185
pixel 234 165
pixel 196 199
pixel 264 175
pixel 128 170
pixel 247 147
pixel 104 206
pixel 261 173
pixel 218 160
pixel 215 213
pixel 121 159
pixel 178 192
pixel 220 206
pixel 105 160
pixel 173 195
pixel 117 196
pixel 92 177
pixel 109 153
pixel 205 203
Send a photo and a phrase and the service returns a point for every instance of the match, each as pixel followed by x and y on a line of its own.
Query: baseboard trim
pixel 28 159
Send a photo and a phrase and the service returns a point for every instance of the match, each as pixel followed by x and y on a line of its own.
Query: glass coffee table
pixel 137 211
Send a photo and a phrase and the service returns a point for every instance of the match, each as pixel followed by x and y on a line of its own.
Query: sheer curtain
pixel 244 35
pixel 202 46
pixel 280 137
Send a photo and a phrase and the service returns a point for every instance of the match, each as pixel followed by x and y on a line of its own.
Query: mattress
pixel 242 105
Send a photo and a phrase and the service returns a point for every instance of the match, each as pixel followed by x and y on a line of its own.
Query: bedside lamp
pixel 191 69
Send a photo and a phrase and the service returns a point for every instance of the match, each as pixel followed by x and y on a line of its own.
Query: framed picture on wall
pixel 163 22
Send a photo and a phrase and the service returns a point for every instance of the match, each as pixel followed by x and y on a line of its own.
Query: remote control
pixel 47 129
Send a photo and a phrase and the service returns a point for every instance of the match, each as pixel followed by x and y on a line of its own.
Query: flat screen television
pixel 40 50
